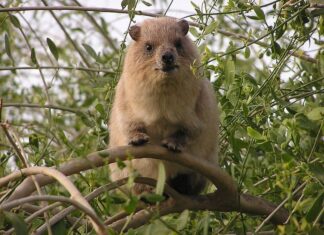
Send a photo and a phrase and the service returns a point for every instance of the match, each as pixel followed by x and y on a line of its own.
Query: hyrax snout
pixel 160 100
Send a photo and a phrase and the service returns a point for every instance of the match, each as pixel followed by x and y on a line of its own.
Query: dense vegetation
pixel 58 71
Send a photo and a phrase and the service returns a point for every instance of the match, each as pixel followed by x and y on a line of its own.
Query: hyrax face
pixel 161 47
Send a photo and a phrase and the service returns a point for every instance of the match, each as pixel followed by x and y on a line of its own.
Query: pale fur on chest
pixel 169 100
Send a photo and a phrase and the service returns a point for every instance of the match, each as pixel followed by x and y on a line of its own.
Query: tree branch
pixel 213 172
pixel 88 211
pixel 226 198
pixel 62 179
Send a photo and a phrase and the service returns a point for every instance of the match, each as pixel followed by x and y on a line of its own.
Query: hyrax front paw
pixel 138 138
pixel 173 144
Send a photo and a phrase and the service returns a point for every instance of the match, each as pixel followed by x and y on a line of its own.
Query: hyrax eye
pixel 178 44
pixel 148 47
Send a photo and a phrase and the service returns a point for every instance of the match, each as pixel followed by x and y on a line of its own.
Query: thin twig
pixel 58 68
pixel 89 212
pixel 23 105
pixel 279 206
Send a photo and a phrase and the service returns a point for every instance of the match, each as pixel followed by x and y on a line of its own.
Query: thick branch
pixel 213 172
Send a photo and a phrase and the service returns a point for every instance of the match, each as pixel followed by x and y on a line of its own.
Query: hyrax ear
pixel 135 32
pixel 184 26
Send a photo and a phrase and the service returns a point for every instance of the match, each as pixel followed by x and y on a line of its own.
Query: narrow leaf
pixel 247 52
pixel 90 51
pixel 52 48
pixel 161 179
pixel 182 220
pixel 15 21
pixel 315 208
pixel 33 56
pixel 60 228
pixel 18 223
pixel 229 71
pixel 130 207
pixel 7 46
pixel 258 11
pixel 153 198
pixel 255 134
pixel 146 3
pixel 124 4
pixel 210 28
pixel 316 114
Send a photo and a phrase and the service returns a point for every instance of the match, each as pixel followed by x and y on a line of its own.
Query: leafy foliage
pixel 270 92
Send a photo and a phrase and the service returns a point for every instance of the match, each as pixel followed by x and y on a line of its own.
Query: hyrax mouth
pixel 167 62
pixel 168 68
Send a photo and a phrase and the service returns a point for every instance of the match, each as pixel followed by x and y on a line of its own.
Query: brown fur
pixel 175 109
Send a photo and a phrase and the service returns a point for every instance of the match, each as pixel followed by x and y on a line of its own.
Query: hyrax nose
pixel 168 58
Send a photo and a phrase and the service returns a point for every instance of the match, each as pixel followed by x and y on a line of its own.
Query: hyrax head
pixel 161 46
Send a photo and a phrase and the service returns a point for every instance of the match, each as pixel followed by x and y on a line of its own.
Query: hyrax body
pixel 160 100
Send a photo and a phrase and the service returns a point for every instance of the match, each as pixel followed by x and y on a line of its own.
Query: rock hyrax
pixel 160 100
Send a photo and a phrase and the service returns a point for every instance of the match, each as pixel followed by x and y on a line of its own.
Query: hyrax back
pixel 161 101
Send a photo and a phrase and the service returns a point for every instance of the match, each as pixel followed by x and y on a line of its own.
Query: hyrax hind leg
pixel 188 183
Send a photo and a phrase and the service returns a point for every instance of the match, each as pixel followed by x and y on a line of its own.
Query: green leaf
pixel 34 141
pixel 253 17
pixel 194 32
pixel 258 11
pixel 316 114
pixel 116 199
pixel 130 207
pixel 229 71
pixel 321 63
pixel 161 179
pixel 52 48
pixel 315 208
pixel 90 51
pixel 33 56
pixel 64 139
pixel 247 52
pixel 131 8
pixel 183 220
pixel 121 165
pixel 124 4
pixel 15 21
pixel 318 171
pixel 211 27
pixel 276 48
pixel 255 134
pixel 153 197
pixel 17 223
pixel 59 228
pixel 146 3
pixel 7 46
pixel 86 120
pixel 99 107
